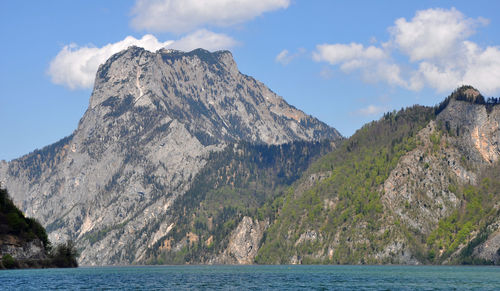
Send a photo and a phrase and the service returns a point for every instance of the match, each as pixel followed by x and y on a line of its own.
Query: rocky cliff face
pixel 244 242
pixel 418 188
pixel 489 249
pixel 153 119
pixel 21 249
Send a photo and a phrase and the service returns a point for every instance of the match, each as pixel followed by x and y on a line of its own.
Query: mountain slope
pixel 418 186
pixel 152 122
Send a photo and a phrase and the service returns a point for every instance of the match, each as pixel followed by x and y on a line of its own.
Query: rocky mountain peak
pixel 201 89
pixel 120 68
pixel 222 58
pixel 469 94
pixel 464 93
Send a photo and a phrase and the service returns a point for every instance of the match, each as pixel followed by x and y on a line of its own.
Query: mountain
pixel 419 186
pixel 154 121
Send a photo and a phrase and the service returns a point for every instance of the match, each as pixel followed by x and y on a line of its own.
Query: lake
pixel 256 278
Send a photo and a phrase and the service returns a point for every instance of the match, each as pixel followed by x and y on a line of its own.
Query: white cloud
pixel 371 110
pixel 284 57
pixel 475 66
pixel 384 72
pixel 372 62
pixel 437 41
pixel 483 68
pixel 75 66
pixel 438 50
pixel 432 33
pixel 181 16
pixel 441 79
pixel 204 39
pixel 350 56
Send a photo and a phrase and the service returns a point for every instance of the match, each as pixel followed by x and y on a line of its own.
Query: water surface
pixel 256 278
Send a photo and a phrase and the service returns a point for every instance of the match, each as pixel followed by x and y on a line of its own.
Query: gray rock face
pixel 20 249
pixel 417 190
pixel 490 249
pixel 477 131
pixel 152 120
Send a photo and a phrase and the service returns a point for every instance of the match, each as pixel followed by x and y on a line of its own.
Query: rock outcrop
pixel 21 249
pixel 489 250
pixel 153 119
pixel 244 242
pixel 417 190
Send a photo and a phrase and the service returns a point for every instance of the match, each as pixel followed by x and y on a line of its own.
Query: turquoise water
pixel 256 278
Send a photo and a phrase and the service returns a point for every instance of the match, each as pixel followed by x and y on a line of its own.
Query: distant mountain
pixel 154 121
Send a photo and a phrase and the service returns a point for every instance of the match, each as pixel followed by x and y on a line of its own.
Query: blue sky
pixel 344 62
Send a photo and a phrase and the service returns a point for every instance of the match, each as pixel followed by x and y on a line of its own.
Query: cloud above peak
pixel 435 51
pixel 285 57
pixel 203 38
pixel 75 66
pixel 180 16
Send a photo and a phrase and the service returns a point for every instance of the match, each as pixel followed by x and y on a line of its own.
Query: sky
pixel 344 62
